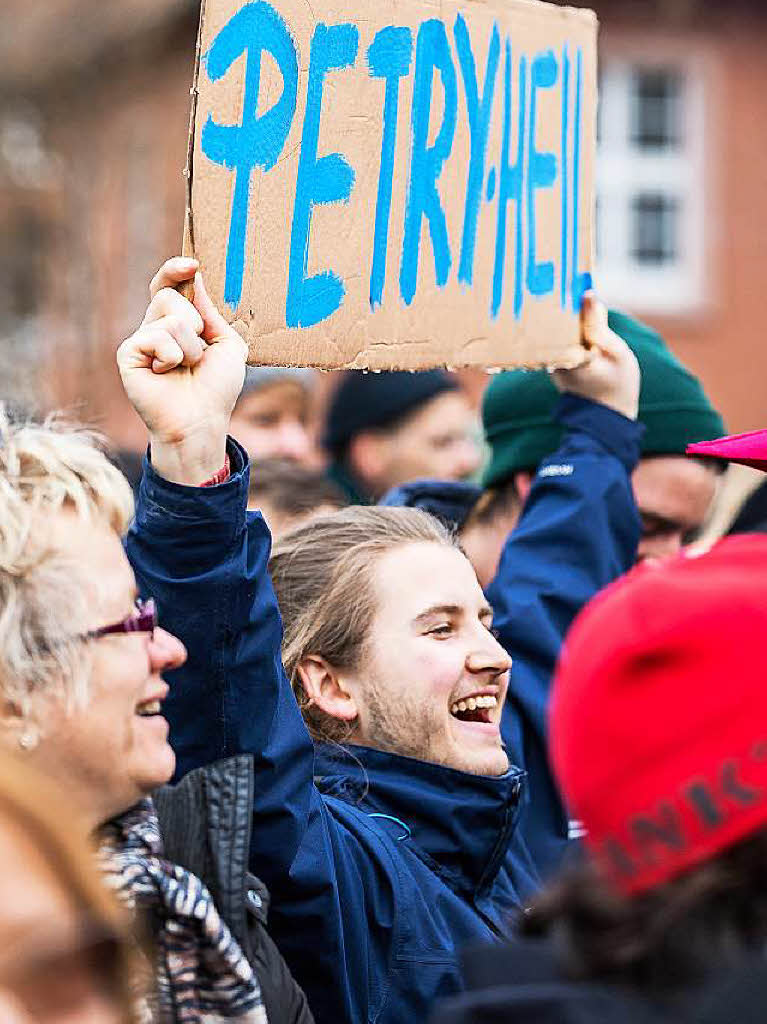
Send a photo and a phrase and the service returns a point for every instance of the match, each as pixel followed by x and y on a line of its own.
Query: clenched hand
pixel 183 370
pixel 610 374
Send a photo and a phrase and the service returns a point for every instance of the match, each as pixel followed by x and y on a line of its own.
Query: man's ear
pixel 324 689
pixel 523 481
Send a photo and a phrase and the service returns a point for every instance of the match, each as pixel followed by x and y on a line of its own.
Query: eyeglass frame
pixel 142 620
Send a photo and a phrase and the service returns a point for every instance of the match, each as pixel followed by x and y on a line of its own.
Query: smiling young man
pixel 386 847
pixel 404 670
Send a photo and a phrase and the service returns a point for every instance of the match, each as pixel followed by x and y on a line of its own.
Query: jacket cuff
pixel 221 476
pixel 616 433
pixel 197 502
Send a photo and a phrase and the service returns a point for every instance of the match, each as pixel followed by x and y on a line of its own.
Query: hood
pixel 461 823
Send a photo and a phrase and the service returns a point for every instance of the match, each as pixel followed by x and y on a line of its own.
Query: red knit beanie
pixel 659 713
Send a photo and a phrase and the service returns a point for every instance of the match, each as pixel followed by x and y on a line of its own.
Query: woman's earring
pixel 28 740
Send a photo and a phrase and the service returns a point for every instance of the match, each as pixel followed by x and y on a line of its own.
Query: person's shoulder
pixel 523 980
pixel 215 798
pixel 520 961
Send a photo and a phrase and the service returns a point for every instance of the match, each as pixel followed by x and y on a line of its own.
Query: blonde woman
pixel 81 678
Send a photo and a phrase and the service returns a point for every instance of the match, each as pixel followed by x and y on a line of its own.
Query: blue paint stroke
pixel 565 173
pixel 510 187
pixel 490 184
pixel 479 122
pixel 426 162
pixel 581 282
pixel 388 57
pixel 541 173
pixel 257 141
pixel 320 180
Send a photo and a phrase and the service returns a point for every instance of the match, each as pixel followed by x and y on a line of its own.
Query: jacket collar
pixel 460 824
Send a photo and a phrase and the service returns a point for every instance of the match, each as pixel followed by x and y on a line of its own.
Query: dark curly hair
pixel 663 939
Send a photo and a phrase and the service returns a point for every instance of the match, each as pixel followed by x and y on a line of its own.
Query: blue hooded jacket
pixel 380 867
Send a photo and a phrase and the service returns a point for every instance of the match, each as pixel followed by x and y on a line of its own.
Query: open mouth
pixel 475 709
pixel 149 708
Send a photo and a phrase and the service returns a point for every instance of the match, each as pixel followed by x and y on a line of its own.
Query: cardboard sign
pixel 395 183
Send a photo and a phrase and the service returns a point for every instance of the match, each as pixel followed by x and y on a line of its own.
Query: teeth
pixel 150 707
pixel 487 702
pixel 472 703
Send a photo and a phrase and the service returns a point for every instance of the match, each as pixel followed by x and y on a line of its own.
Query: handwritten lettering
pixel 511 175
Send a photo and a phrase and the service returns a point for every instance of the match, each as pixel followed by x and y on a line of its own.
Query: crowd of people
pixel 449 724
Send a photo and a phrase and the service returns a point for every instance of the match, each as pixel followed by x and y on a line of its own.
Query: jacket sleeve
pixel 205 562
pixel 578 532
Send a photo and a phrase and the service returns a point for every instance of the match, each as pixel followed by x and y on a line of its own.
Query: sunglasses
pixel 142 620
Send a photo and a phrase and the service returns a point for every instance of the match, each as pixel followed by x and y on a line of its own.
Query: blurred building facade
pixel 93 127
pixel 98 93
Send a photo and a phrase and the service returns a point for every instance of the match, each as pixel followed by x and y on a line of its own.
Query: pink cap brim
pixel 746 449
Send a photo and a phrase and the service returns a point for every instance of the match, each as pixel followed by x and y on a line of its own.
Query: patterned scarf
pixel 200 973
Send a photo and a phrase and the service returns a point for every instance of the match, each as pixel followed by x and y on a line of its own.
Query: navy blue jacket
pixel 380 867
pixel 579 531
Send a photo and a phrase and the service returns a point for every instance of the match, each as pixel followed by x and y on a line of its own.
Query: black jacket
pixel 522 983
pixel 205 823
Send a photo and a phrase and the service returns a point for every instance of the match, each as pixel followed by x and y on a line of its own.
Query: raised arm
pixel 194 549
pixel 578 532
pixel 204 560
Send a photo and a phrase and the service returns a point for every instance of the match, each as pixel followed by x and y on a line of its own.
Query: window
pixel 655 232
pixel 655 108
pixel 650 188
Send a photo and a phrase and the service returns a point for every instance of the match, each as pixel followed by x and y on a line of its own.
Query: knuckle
pixel 173 324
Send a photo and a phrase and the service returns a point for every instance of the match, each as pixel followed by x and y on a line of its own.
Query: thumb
pixel 595 329
pixel 214 325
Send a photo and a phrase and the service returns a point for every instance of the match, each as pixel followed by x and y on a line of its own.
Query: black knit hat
pixel 369 401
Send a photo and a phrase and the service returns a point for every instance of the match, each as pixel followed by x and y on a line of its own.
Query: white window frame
pixel 624 171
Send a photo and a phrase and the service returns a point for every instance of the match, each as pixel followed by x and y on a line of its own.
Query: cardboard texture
pixel 398 184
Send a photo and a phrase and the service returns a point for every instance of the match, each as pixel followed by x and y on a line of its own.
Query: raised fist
pixel 610 374
pixel 183 370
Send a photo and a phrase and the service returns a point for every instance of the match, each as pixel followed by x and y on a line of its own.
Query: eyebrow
pixel 451 609
pixel 439 609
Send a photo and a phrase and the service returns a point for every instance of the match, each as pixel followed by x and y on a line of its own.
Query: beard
pixel 418 731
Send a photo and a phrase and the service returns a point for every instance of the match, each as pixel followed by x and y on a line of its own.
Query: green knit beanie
pixel 518 406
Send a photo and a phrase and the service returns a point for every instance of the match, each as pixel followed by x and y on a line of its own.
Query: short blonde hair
pixel 323 579
pixel 45 468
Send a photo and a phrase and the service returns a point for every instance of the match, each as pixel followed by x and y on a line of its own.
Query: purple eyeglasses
pixel 142 620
